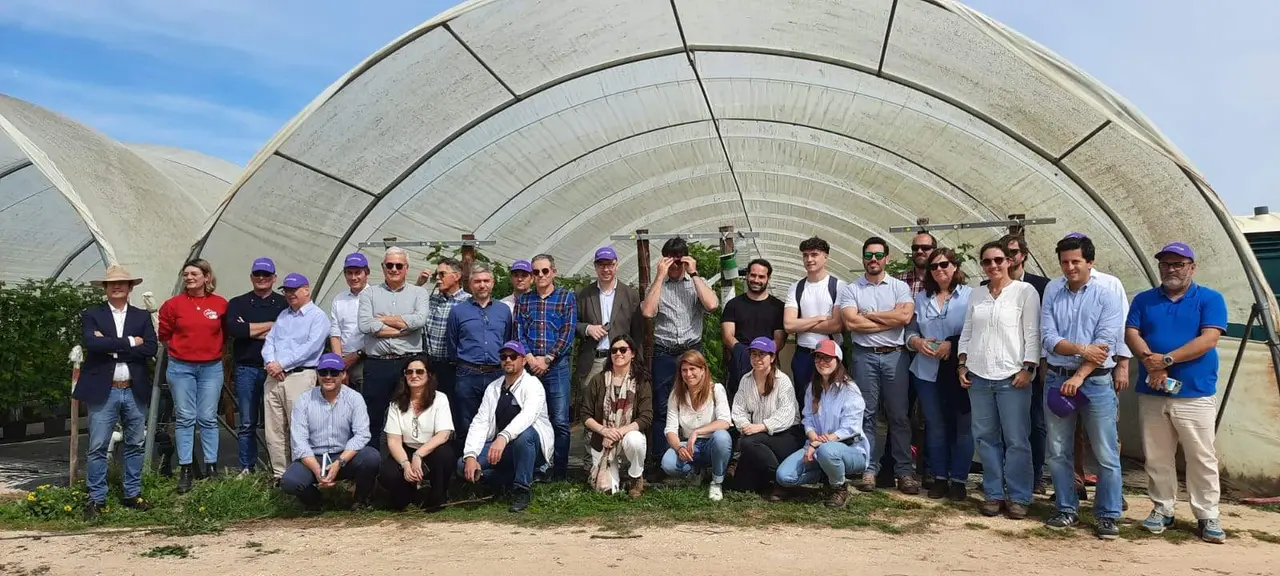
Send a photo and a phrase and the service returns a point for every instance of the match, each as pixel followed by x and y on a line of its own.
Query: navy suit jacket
pixel 96 373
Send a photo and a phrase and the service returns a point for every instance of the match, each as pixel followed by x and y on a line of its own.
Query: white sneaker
pixel 714 493
pixel 244 472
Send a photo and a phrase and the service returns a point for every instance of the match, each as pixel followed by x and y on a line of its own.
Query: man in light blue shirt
pixel 329 427
pixel 1081 324
pixel 290 353
pixel 876 309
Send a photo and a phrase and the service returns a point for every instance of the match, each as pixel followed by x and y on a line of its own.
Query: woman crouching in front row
pixel 698 423
pixel 619 408
pixel 832 419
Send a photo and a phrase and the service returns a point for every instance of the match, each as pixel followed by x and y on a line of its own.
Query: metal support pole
pixel 1018 229
pixel 468 258
pixel 1226 394
pixel 728 273
pixel 153 408
pixel 642 260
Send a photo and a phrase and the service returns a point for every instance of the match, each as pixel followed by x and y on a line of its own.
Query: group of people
pixel 467 386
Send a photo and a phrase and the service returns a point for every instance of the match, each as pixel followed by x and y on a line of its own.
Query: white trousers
pixel 1188 422
pixel 633 447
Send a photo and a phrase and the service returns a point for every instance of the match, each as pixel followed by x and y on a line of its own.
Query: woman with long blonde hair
pixel 698 421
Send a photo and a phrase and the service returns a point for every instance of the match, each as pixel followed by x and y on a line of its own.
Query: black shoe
pixel 1063 520
pixel 958 492
pixel 520 499
pixel 137 503
pixel 91 511
pixel 938 489
pixel 360 506
pixel 210 471
pixel 1107 529
pixel 1041 488
pixel 184 478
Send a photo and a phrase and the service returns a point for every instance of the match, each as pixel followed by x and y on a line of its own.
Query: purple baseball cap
pixel 514 346
pixel 1063 406
pixel 763 344
pixel 606 253
pixel 330 361
pixel 1179 249
pixel 263 265
pixel 1075 235
pixel 355 260
pixel 522 266
pixel 295 280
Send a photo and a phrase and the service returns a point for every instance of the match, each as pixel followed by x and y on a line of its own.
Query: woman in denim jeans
pixel 191 329
pixel 999 350
pixel 832 419
pixel 698 423
pixel 934 334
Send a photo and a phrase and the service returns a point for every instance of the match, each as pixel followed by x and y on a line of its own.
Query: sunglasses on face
pixel 541 271
pixel 394 265
pixel 823 358
pixel 328 373
pixel 943 265
pixel 621 350
pixel 1014 252
pixel 415 371
pixel 508 357
pixel 921 247
pixel 262 274
pixel 874 255
pixel 998 260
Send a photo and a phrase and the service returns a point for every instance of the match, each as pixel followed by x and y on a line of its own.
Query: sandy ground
pixel 482 549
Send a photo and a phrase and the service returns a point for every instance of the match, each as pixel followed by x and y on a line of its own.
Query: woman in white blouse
pixel 999 350
pixel 767 417
pixel 418 429
pixel 698 423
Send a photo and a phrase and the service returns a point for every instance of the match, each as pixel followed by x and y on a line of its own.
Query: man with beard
pixel 521 281
pixel 922 246
pixel 876 309
pixel 748 316
pixel 248 319
pixel 545 321
pixel 475 330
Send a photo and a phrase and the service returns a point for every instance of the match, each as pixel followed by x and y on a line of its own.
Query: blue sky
pixel 221 76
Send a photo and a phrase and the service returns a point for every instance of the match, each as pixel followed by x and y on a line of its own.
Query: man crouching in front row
pixel 329 429
pixel 511 434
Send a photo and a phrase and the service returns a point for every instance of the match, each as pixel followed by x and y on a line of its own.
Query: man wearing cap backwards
pixel 1080 326
pixel 329 429
pixel 475 330
pixel 606 309
pixel 545 322
pixel 248 319
pixel 753 314
pixel 521 279
pixel 449 292
pixel 345 337
pixel 114 385
pixel 511 434
pixel 391 315
pixel 1174 329
pixel 292 348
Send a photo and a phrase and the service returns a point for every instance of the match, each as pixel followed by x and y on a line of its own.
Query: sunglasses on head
pixel 943 265
pixel 261 274
pixel 621 350
pixel 328 373
pixel 998 260
pixel 874 255
pixel 394 265
pixel 415 371
pixel 541 271
pixel 921 247
pixel 507 356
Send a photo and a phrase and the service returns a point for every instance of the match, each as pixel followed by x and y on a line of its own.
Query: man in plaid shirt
pixel 545 321
pixel 921 250
pixel 448 293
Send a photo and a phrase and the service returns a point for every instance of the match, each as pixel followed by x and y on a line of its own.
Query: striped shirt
pixel 680 312
pixel 545 325
pixel 318 427
pixel 438 307
pixel 409 303
pixel 777 412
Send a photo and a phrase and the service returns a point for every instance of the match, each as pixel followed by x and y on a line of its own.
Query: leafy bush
pixel 39 324
pixel 47 502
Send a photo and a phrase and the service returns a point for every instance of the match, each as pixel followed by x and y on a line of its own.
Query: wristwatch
pixel 341 463
pixel 1168 360
pixel 1029 369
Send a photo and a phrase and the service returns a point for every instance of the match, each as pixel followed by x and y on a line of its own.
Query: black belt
pixel 392 356
pixel 880 349
pixel 675 349
pixel 1069 372
pixel 301 368
pixel 479 367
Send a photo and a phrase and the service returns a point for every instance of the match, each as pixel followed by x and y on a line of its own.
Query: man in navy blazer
pixel 114 386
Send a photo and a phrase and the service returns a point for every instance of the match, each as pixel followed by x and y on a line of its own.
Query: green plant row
pixel 39 324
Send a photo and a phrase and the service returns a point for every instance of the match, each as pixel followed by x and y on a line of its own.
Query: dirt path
pixel 485 549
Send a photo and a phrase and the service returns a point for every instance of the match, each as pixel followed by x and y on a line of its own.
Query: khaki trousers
pixel 277 400
pixel 1166 424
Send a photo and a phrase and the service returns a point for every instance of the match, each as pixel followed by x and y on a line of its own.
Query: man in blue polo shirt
pixel 1174 330
pixel 476 328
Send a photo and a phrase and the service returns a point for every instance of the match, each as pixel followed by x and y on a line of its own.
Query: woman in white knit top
pixel 767 416
pixel 697 427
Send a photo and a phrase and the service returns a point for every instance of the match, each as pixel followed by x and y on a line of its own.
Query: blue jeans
pixel 299 481
pixel 664 377
pixel 1039 430
pixel 836 460
pixel 802 372
pixel 521 457
pixel 883 378
pixel 123 406
pixel 948 434
pixel 249 381
pixel 1002 427
pixel 556 382
pixel 1100 426
pixel 196 388
pixel 714 451
pixel 468 392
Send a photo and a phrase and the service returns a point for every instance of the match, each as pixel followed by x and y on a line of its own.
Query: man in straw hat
pixel 114 385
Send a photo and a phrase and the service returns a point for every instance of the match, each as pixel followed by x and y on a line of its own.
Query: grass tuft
pixel 170 551
pixel 1265 536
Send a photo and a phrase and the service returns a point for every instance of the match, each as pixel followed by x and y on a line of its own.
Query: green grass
pixel 1270 508
pixel 1265 536
pixel 171 551
pixel 976 526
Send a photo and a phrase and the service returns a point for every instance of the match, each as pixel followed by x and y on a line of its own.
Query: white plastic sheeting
pixel 73 201
pixel 549 126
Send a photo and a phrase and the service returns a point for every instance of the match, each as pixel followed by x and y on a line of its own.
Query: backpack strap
pixel 799 293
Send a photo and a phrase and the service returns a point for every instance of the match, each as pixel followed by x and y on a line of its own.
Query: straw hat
pixel 117 273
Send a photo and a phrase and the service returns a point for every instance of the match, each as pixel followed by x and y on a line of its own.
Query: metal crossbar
pixel 926 226
pixel 686 236
pixel 427 244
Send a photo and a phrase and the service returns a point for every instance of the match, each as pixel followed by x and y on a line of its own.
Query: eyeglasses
pixel 508 357
pixel 823 358
pixel 922 247
pixel 328 373
pixel 998 260
pixel 606 264
pixel 541 271
pixel 1174 265
pixel 621 350
pixel 442 273
pixel 943 265
pixel 394 265
pixel 874 255
pixel 415 371
pixel 262 274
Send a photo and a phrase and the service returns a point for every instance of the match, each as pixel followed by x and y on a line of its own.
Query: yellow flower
pixel 66 508
pixel 202 508
pixel 31 497
pixel 42 487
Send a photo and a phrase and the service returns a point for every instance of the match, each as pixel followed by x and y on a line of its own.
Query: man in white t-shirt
pixel 810 311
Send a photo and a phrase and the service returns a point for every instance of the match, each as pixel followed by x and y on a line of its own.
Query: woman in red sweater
pixel 191 329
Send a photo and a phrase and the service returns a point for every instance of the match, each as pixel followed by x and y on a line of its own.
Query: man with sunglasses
pixel 922 246
pixel 546 318
pixel 521 281
pixel 1174 328
pixel 248 319
pixel 448 294
pixel 511 435
pixel 876 309
pixel 391 315
pixel 291 351
pixel 329 430
pixel 475 330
